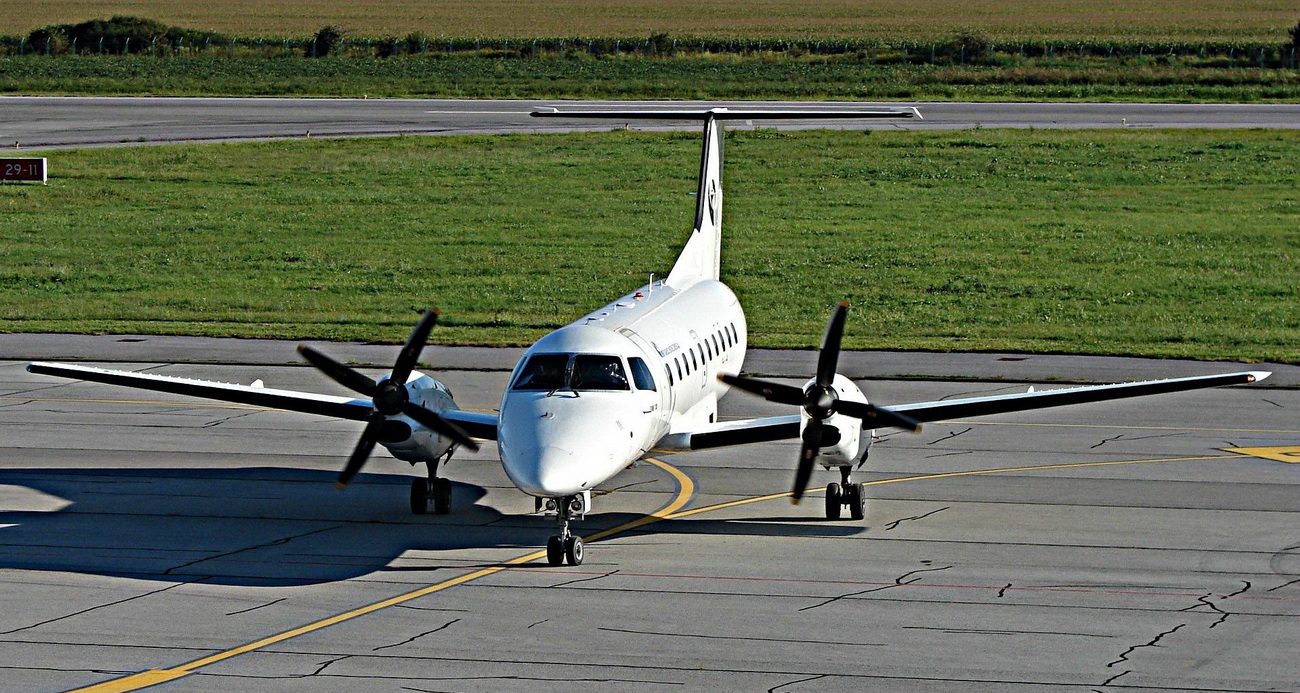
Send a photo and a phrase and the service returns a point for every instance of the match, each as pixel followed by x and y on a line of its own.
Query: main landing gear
pixel 845 493
pixel 565 546
pixel 435 488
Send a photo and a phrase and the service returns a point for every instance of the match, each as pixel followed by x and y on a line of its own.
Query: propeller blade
pixel 362 452
pixel 414 345
pixel 773 392
pixel 812 434
pixel 871 414
pixel 439 425
pixel 343 375
pixel 829 356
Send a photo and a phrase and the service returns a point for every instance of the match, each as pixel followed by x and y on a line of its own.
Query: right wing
pixel 291 400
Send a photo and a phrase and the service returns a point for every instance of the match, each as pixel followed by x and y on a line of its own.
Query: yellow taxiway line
pixel 671 511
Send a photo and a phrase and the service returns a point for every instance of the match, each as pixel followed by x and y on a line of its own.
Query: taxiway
pixel 146 539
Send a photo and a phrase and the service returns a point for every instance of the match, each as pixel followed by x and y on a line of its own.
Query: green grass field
pixel 554 78
pixel 1240 20
pixel 1160 243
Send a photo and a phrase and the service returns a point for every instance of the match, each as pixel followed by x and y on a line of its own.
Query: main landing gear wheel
pixel 846 493
pixel 419 496
pixel 440 489
pixel 437 490
pixel 834 500
pixel 554 551
pixel 856 499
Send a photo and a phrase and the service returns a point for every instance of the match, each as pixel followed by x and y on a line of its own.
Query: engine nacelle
pixel 407 439
pixel 843 442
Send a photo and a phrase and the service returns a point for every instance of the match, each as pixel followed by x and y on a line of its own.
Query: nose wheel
pixel 847 493
pixel 565 547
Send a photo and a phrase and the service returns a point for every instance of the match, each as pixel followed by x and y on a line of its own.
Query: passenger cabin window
pixel 543 372
pixel 641 374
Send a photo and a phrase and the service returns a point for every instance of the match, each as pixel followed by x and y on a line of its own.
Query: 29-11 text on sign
pixel 30 169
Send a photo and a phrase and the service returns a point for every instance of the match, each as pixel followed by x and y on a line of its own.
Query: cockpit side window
pixel 543 372
pixel 598 372
pixel 641 374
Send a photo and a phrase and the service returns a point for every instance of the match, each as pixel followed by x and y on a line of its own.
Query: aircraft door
pixel 651 388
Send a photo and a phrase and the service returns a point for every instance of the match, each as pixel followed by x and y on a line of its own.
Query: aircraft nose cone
pixel 548 471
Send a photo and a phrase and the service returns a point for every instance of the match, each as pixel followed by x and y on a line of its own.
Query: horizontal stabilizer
pixel 728 113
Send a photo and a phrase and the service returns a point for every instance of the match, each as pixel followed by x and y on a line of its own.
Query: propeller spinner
pixel 389 396
pixel 820 401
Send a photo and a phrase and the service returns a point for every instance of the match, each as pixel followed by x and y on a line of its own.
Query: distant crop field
pixel 1214 20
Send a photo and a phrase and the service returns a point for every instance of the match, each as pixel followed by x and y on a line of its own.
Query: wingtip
pixel 1256 376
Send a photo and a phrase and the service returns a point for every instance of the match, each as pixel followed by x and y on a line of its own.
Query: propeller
pixel 389 396
pixel 820 401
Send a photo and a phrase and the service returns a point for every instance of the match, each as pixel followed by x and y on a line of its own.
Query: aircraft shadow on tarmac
pixel 276 526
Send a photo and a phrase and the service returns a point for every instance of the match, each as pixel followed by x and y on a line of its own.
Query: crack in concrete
pixel 218 422
pixel 104 606
pixel 951 435
pixel 624 487
pixel 538 623
pixel 898 582
pixel 1127 438
pixel 1269 401
pixel 989 631
pixel 895 523
pixel 276 542
pixel 734 637
pixel 796 683
pixel 1003 592
pixel 1113 679
pixel 1285 584
pixel 254 608
pixel 1155 642
pixel 950 454
pixel 323 666
pixel 441 628
pixel 429 608
pixel 586 579
pixel 1204 600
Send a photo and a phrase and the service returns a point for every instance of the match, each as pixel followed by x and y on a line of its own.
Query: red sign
pixel 23 169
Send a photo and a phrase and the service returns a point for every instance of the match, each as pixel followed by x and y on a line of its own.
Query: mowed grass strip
pixel 634 78
pixel 1246 20
pixel 1157 243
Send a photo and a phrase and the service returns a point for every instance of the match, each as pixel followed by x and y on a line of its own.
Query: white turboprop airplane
pixel 642 373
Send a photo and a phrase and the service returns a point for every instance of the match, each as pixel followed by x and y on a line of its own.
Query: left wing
pixel 787 427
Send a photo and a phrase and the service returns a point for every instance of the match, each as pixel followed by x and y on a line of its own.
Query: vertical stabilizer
pixel 701 258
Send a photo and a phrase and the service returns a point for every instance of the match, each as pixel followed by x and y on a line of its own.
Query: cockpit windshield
pixel 572 371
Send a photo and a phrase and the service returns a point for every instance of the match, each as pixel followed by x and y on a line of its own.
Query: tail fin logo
pixel 713 202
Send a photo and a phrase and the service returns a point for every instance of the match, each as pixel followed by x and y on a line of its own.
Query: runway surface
pixel 46 122
pixel 145 539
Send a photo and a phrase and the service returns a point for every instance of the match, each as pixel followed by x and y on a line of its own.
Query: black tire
pixel 554 551
pixel 441 492
pixel 573 550
pixel 857 501
pixel 833 501
pixel 419 496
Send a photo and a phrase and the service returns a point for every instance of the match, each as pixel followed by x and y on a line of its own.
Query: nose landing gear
pixel 565 546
